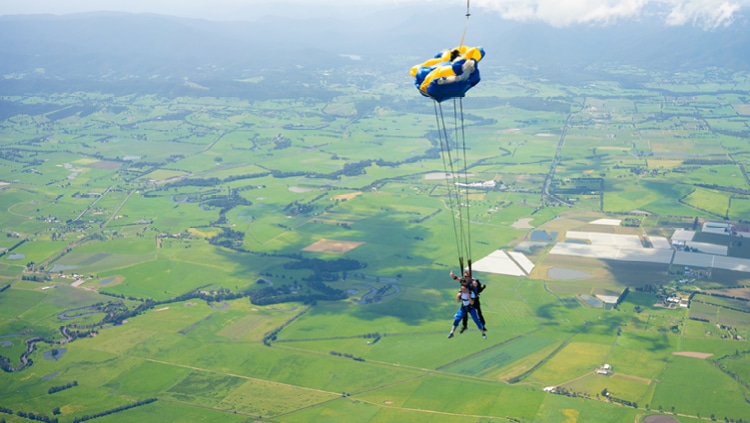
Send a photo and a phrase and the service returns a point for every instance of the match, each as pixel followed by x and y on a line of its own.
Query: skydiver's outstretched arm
pixel 453 276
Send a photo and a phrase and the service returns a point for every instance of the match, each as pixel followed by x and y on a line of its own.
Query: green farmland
pixel 219 259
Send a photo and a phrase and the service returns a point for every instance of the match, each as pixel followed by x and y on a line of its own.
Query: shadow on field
pixel 557 311
pixel 652 342
pixel 391 239
pixel 411 313
pixel 630 275
pixel 550 312
pixel 608 324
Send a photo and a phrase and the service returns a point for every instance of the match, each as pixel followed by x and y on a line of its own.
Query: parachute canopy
pixel 450 74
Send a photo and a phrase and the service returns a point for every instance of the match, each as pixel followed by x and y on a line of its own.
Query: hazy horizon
pixel 705 14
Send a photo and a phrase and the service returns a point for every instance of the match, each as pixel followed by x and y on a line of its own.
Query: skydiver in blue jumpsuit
pixel 476 287
pixel 466 300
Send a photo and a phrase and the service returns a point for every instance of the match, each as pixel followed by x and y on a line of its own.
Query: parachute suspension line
pixel 466 182
pixel 461 186
pixel 466 27
pixel 450 185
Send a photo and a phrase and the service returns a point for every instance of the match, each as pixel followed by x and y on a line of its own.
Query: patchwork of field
pixel 287 260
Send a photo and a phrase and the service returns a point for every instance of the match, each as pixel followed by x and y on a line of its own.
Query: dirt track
pixel 692 354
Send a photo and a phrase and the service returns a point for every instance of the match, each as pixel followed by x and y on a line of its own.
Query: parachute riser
pixel 466 27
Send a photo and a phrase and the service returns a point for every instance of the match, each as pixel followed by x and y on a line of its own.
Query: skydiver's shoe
pixel 463 329
pixel 450 335
pixel 484 335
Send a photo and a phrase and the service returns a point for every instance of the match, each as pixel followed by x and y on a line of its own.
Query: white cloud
pixel 560 13
pixel 708 14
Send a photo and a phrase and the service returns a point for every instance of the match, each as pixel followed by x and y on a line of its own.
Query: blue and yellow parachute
pixel 450 74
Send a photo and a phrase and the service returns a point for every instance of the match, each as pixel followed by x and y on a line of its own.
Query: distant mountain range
pixel 117 45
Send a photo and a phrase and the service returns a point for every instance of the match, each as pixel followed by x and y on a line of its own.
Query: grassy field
pixel 151 198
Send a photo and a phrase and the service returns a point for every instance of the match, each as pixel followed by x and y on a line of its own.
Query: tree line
pixel 54 389
pixel 114 410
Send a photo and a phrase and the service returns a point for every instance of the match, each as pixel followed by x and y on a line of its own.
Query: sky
pixel 708 14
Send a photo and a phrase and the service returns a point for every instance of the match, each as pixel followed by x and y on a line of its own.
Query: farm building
pixel 604 370
pixel 717 228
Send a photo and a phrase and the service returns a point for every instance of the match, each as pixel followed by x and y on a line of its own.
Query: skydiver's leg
pixel 460 314
pixel 478 306
pixel 475 317
pixel 465 322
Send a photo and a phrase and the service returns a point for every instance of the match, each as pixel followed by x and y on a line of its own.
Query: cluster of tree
pixel 281 142
pixel 193 182
pixel 424 218
pixel 569 393
pixel 227 238
pixel 327 293
pixel 271 295
pixel 354 169
pixel 301 127
pixel 583 186
pixel 338 354
pixel 740 310
pixel 10 155
pixel 116 313
pixel 319 291
pixel 296 208
pixel 35 278
pixel 623 401
pixel 737 377
pixel 714 294
pixel 631 222
pixel 709 162
pixel 279 174
pixel 5 288
pixel 211 182
pixel 114 410
pixel 374 336
pixel 227 203
pixel 349 169
pixel 382 290
pixel 699 319
pixel 34 416
pixel 271 335
pixel 6 365
pixel 431 153
pixel 112 294
pixel 724 188
pixel 72 335
pixel 223 294
pixel 54 389
pixel 16 245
